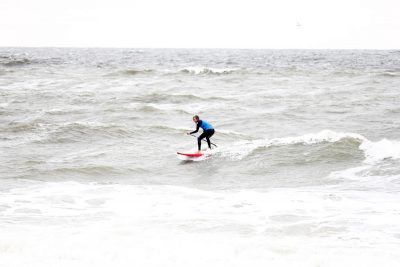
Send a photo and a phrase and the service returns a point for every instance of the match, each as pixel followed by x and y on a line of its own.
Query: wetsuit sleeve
pixel 197 128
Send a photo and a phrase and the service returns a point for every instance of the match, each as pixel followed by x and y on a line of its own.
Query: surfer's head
pixel 196 118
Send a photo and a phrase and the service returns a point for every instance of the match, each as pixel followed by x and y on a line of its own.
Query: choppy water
pixel 306 173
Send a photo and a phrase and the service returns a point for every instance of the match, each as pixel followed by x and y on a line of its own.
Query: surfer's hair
pixel 196 117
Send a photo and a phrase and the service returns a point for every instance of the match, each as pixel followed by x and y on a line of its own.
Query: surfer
pixel 208 131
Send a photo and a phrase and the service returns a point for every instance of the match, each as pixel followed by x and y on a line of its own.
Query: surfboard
pixel 192 155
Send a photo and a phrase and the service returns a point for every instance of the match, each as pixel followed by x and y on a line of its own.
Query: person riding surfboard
pixel 208 131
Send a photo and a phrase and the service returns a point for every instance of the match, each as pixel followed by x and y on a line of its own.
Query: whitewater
pixel 306 172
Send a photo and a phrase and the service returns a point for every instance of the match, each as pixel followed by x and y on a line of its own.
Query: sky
pixel 281 24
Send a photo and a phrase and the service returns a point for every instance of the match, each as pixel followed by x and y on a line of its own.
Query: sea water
pixel 306 172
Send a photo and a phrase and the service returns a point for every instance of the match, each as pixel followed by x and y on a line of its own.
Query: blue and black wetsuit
pixel 208 131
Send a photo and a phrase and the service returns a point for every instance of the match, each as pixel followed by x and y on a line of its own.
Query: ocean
pixel 306 172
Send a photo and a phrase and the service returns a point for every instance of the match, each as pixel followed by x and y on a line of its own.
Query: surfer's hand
pixel 188 133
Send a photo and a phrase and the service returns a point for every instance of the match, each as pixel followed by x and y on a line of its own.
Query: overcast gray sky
pixel 206 23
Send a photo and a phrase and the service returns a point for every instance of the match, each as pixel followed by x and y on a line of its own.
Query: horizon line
pixel 196 48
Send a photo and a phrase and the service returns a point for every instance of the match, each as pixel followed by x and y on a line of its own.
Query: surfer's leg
pixel 208 141
pixel 209 133
pixel 199 143
pixel 199 140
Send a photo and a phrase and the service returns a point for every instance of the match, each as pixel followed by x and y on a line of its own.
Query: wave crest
pixel 129 72
pixel 205 70
pixel 13 62
pixel 373 151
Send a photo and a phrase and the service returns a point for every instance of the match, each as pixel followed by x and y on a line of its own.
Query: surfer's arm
pixel 197 129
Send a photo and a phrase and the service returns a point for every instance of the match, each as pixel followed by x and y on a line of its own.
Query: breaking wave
pixel 188 70
pixel 373 151
pixel 205 70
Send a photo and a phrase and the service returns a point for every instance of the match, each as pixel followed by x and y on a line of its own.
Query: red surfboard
pixel 193 155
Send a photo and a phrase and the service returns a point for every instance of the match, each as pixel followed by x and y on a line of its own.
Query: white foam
pixel 380 150
pixel 72 224
pixel 4 104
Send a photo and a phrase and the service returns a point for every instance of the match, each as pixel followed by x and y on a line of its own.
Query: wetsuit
pixel 208 131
